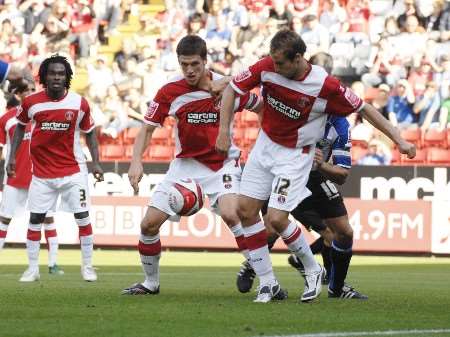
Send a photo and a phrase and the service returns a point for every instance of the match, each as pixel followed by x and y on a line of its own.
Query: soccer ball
pixel 185 197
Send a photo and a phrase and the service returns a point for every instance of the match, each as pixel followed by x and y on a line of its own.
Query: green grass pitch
pixel 199 298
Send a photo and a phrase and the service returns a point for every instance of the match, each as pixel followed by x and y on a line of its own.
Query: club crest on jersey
pixel 152 107
pixel 303 102
pixel 281 199
pixel 242 76
pixel 69 115
pixel 351 97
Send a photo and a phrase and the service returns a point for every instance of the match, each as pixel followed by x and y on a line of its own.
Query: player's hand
pixel 407 148
pixel 97 171
pixel 11 169
pixel 218 86
pixel 135 173
pixel 223 143
pixel 318 158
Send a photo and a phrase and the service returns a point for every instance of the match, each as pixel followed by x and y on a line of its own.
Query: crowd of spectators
pixel 395 53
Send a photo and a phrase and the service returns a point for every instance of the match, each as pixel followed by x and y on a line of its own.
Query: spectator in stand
pixel 410 44
pixel 391 28
pixel 316 36
pixel 100 78
pixel 377 154
pixel 218 39
pixel 281 14
pixel 387 67
pixel 357 22
pixel 400 105
pixel 444 116
pixel 333 17
pixel 427 107
pixel 301 8
pixel 418 78
pixel 82 27
pixel 35 13
pixel 442 78
pixel 196 25
pixel 381 99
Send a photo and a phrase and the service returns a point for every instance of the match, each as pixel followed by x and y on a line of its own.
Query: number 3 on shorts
pixel 82 195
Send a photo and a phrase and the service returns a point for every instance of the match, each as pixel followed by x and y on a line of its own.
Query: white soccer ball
pixel 186 197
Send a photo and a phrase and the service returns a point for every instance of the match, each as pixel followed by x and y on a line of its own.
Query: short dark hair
pixel 43 69
pixel 324 60
pixel 192 45
pixel 289 42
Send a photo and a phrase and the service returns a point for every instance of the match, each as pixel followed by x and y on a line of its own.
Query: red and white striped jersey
pixel 197 115
pixel 295 111
pixel 8 124
pixel 55 146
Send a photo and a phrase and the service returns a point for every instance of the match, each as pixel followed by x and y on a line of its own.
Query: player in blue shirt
pixel 325 207
pixel 12 73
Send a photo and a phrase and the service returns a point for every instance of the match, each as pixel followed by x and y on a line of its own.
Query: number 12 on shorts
pixel 282 186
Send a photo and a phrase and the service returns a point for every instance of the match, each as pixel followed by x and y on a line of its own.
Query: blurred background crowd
pixel 394 53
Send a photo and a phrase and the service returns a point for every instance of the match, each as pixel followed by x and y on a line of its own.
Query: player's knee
pixel 246 213
pixel 345 235
pixel 230 218
pixel 149 227
pixel 37 218
pixel 81 215
pixel 49 220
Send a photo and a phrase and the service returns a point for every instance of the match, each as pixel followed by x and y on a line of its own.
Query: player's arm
pixel 337 174
pixel 92 144
pixel 377 120
pixel 136 170
pixel 223 141
pixel 17 139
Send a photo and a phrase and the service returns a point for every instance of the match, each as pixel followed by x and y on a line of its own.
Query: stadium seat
pixel 357 153
pixel 396 157
pixel 112 152
pixel 161 136
pixel 413 136
pixel 161 153
pixel 435 138
pixel 439 156
pixel 420 158
pixel 130 135
pixel 129 151
pixel 448 138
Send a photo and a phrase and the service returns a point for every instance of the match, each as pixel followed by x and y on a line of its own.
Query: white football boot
pixel 30 275
pixel 88 273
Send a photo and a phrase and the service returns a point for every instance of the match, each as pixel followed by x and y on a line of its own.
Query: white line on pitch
pixel 369 333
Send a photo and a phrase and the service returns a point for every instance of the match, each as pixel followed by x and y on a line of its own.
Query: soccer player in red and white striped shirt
pixel 298 97
pixel 188 99
pixel 58 116
pixel 15 189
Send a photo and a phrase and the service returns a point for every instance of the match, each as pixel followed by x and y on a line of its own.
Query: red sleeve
pixel 251 77
pixel 3 120
pixel 22 112
pixel 158 109
pixel 248 101
pixel 87 122
pixel 341 101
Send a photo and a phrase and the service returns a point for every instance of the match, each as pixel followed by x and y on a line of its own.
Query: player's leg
pixel 51 237
pixel 149 245
pixel 86 237
pixel 33 247
pixel 4 223
pixel 341 254
pixel 150 252
pixel 13 201
pixel 42 197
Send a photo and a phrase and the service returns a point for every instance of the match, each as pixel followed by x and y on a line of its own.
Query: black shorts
pixel 325 200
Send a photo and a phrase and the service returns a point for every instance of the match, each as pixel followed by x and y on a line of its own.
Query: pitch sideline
pixel 369 333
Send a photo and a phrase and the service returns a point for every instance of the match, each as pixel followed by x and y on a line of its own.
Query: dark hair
pixel 324 60
pixel 289 42
pixel 192 45
pixel 43 69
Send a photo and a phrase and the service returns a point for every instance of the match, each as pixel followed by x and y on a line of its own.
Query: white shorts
pixel 74 192
pixel 277 173
pixel 214 183
pixel 13 202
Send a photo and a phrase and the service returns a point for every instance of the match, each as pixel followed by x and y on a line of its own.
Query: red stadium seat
pixel 357 153
pixel 439 156
pixel 396 157
pixel 413 136
pixel 161 153
pixel 420 158
pixel 112 152
pixel 435 138
pixel 448 138
pixel 130 135
pixel 129 151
